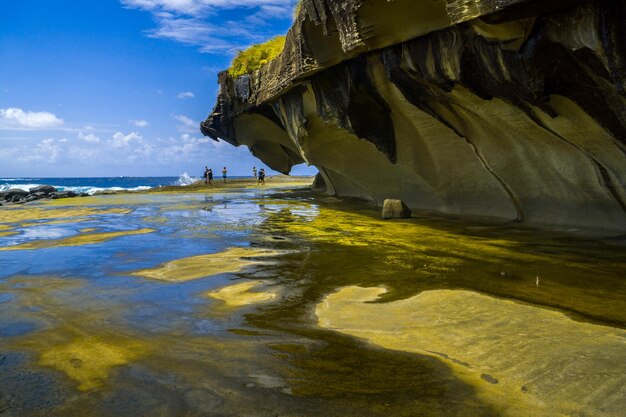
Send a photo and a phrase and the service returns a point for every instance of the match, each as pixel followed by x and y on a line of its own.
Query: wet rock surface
pixel 503 109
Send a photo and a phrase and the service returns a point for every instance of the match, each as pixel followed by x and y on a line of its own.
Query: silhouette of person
pixel 224 172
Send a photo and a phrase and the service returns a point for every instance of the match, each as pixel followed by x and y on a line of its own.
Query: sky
pixel 119 87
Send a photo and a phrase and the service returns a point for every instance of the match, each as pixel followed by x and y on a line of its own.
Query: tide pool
pixel 265 302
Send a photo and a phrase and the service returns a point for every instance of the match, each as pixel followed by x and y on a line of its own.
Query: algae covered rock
pixel 509 109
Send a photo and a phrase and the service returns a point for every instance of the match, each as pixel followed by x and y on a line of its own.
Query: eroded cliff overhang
pixel 503 108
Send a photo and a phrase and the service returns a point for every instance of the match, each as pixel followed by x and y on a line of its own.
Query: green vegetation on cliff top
pixel 256 56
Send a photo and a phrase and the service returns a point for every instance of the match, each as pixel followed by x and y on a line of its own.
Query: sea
pixel 92 185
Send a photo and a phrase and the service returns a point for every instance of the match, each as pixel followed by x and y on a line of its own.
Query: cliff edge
pixel 513 109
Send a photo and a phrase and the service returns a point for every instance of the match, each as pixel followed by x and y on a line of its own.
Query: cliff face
pixel 513 109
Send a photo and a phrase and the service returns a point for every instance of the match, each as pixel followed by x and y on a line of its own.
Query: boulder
pixel 63 194
pixel 46 189
pixel 15 194
pixel 395 209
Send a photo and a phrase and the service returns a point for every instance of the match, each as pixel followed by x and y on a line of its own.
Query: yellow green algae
pixel 194 267
pixel 88 360
pixel 78 240
pixel 499 260
pixel 156 219
pixel 523 359
pixel 239 295
pixel 14 215
pixel 6 230
pixel 72 342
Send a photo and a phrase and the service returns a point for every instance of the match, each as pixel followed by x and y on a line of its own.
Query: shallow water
pixel 265 303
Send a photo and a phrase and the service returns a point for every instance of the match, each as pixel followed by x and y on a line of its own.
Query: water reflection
pixel 87 327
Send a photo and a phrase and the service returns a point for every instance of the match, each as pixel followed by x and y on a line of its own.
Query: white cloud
pixel 139 123
pixel 187 125
pixel 48 151
pixel 200 7
pixel 121 140
pixel 208 24
pixel 89 137
pixel 185 94
pixel 14 118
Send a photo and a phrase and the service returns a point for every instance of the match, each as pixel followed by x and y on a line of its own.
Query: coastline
pixel 275 181
pixel 19 196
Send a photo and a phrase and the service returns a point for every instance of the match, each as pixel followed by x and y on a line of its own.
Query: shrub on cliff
pixel 296 12
pixel 255 56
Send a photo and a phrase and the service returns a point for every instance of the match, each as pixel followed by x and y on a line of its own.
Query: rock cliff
pixel 514 109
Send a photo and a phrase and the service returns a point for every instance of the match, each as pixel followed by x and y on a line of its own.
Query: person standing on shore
pixel 210 176
pixel 254 172
pixel 261 177
pixel 206 175
pixel 224 172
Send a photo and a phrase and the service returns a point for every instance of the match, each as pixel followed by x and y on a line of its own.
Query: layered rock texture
pixel 513 109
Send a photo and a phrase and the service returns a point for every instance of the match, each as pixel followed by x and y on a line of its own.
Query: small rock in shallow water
pixel 395 209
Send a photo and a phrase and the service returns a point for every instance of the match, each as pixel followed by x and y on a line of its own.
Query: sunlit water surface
pixel 282 303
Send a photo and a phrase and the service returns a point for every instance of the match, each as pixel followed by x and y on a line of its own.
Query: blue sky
pixel 118 87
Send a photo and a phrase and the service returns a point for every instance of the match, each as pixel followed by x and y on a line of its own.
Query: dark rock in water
pixel 63 194
pixel 18 196
pixel 46 189
pixel 510 109
pixel 395 209
pixel 14 194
